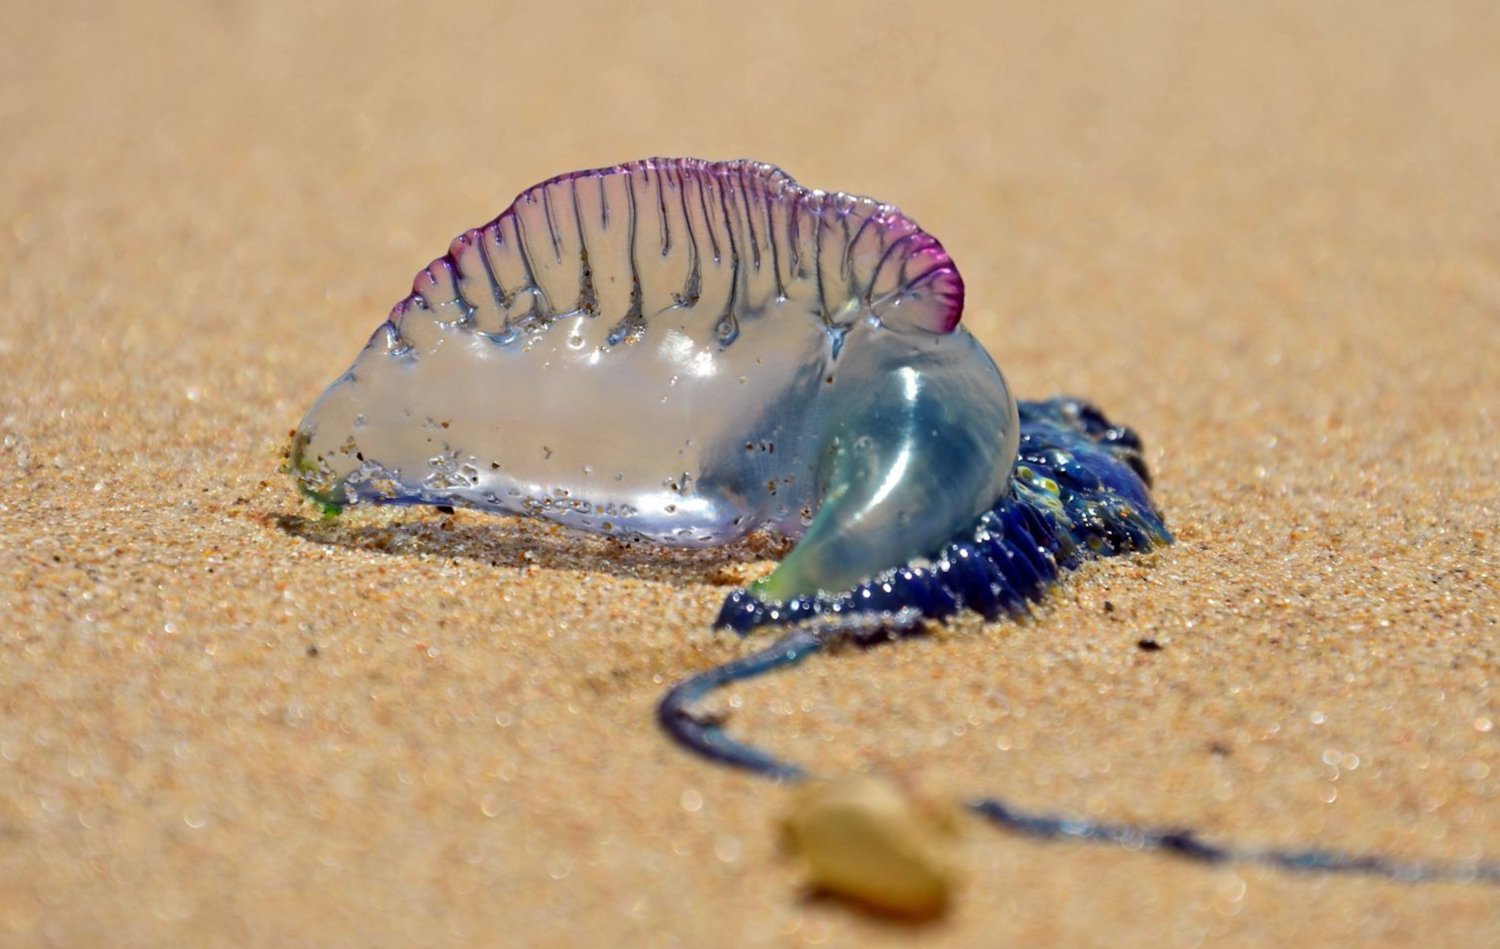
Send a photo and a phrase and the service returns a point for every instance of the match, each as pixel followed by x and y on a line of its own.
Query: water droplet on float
pixel 692 801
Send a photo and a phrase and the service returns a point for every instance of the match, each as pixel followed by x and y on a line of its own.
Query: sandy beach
pixel 1266 235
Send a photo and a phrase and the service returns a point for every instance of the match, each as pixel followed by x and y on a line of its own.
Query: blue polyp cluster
pixel 1079 490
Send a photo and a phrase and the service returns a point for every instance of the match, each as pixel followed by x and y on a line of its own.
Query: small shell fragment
pixel 868 840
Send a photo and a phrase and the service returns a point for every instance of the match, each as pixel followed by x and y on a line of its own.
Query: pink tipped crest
pixel 740 238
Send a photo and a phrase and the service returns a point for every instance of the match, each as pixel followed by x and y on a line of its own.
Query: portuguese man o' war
pixel 686 351
pixel 690 351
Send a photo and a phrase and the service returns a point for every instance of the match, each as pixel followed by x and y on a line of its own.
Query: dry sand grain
pixel 1266 234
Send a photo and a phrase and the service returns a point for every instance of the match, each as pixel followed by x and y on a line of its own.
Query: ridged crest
pixel 733 241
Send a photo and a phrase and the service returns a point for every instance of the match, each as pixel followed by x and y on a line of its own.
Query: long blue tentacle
pixel 705 735
pixel 1079 491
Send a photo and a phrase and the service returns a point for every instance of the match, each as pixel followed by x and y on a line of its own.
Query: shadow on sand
pixel 523 542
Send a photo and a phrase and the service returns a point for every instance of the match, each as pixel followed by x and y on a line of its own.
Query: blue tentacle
pixel 1080 490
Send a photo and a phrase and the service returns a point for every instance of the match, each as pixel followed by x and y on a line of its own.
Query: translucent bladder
pixel 684 351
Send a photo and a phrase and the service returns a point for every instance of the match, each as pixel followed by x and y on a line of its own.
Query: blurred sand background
pixel 1265 234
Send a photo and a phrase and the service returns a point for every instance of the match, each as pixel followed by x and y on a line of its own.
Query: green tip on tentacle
pixel 328 509
pixel 773 588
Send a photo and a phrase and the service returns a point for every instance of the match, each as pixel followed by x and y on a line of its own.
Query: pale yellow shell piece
pixel 866 839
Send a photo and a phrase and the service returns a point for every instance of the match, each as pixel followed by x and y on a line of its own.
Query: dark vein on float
pixel 661 211
pixel 728 327
pixel 819 225
pixel 775 248
pixel 552 232
pixel 693 287
pixel 541 306
pixel 848 267
pixel 456 274
pixel 496 290
pixel 890 249
pixel 746 189
pixel 588 297
pixel 708 223
pixel 794 235
pixel 634 314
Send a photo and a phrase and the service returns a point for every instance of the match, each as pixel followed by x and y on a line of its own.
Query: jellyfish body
pixel 686 351
pixel 689 351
